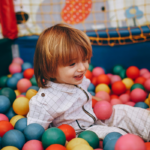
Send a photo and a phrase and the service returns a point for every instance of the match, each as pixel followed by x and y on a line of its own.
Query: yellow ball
pixel 128 83
pixel 102 87
pixel 83 147
pixel 74 142
pixel 9 148
pixel 17 92
pixel 30 93
pixel 9 75
pixel 147 101
pixel 21 105
pixel 14 119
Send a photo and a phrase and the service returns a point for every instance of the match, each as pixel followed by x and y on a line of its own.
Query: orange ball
pixel 88 74
pixel 68 130
pixel 147 144
pixel 55 147
pixel 94 80
pixel 103 78
pixel 118 87
pixel 94 102
pixel 28 73
pixel 113 96
pixel 133 72
pixel 140 80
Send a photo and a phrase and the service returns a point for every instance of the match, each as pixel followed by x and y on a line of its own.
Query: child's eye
pixel 72 64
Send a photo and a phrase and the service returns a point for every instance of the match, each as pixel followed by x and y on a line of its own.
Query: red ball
pixel 130 142
pixel 124 98
pixel 55 147
pixel 115 101
pixel 103 78
pixel 28 73
pixel 103 110
pixel 94 81
pixel 118 87
pixel 147 144
pixel 94 102
pixel 113 96
pixel 147 85
pixel 140 80
pixel 88 74
pixel 4 127
pixel 133 72
pixel 68 130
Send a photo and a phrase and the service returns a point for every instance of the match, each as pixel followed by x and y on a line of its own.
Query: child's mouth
pixel 79 77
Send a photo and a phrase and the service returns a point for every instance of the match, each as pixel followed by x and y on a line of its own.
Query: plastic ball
pixel 94 80
pixel 146 75
pixel 5 126
pixel 91 67
pixel 28 73
pixel 14 119
pixel 103 110
pixel 18 60
pixel 140 80
pixel 82 147
pixel 137 85
pixel 115 78
pixel 10 113
pixel 18 75
pixel 147 85
pixel 91 137
pixel 33 145
pixel 130 103
pixel 109 75
pixel 21 124
pixel 53 136
pixel 3 81
pixel 102 87
pixel 9 148
pixel 74 142
pixel 103 78
pixel 130 142
pixel 8 92
pixel 141 105
pixel 94 102
pixel 88 74
pixel 26 65
pixel 23 85
pixel 56 147
pixel 115 101
pixel 4 104
pixel 68 130
pixel 110 145
pixel 122 74
pixel 33 87
pixel 17 92
pixel 113 96
pixel 103 95
pixel 138 95
pixel 33 81
pixel 143 71
pixel 124 98
pixel 118 87
pixel 147 144
pixel 117 69
pixel 12 82
pixel 14 68
pixel 21 106
pixel 133 72
pixel 33 131
pixel 128 83
pixel 14 138
pixel 91 87
pixel 97 71
pixel 3 117
pixel 30 93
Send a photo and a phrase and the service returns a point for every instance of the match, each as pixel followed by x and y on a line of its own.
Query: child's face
pixel 73 73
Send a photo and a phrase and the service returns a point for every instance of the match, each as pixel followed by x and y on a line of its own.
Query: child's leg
pixel 134 120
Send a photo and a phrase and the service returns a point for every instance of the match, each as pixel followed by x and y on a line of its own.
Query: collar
pixel 62 87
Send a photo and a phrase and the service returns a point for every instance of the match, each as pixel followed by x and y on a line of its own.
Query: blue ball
pixel 18 75
pixel 4 104
pixel 91 87
pixel 141 105
pixel 21 124
pixel 13 138
pixel 33 131
pixel 110 136
pixel 12 82
pixel 26 65
pixel 23 93
pixel 34 87
pixel 110 145
pixel 10 113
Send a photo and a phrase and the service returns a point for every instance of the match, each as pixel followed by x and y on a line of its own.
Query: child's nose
pixel 81 67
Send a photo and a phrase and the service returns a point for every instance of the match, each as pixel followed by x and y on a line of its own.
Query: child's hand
pixel 96 98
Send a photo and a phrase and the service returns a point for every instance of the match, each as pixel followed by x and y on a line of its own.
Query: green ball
pixel 8 92
pixel 91 137
pixel 91 67
pixel 117 69
pixel 3 81
pixel 53 136
pixel 122 74
pixel 137 85
pixel 33 81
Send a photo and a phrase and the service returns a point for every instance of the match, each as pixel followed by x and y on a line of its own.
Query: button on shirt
pixel 62 104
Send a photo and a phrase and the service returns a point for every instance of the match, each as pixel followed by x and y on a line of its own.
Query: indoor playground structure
pixel 119 31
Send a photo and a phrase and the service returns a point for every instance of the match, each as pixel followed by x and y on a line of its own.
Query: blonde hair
pixel 57 46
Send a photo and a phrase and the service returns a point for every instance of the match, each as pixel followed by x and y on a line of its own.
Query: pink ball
pixel 147 85
pixel 23 85
pixel 103 95
pixel 130 142
pixel 109 75
pixel 33 145
pixel 124 98
pixel 130 103
pixel 14 68
pixel 97 71
pixel 143 71
pixel 103 110
pixel 18 60
pixel 146 75
pixel 115 101
pixel 138 95
pixel 3 117
pixel 115 78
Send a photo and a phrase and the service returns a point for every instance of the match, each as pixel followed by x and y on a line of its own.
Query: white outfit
pixel 70 104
